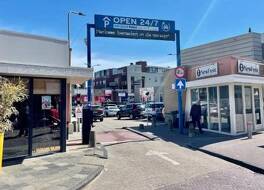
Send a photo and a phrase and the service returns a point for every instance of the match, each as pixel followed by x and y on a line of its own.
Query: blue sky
pixel 200 21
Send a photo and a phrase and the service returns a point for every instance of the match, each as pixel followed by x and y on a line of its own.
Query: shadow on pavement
pixel 197 141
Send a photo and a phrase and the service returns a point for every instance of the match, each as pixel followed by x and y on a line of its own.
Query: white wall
pixel 32 50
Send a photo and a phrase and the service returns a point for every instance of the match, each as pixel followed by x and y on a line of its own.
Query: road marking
pixel 162 155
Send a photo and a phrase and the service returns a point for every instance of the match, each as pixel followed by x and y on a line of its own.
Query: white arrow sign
pixel 162 156
pixel 180 84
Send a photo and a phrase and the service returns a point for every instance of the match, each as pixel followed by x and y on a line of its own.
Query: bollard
pixel 141 126
pixel 92 140
pixel 153 121
pixel 249 129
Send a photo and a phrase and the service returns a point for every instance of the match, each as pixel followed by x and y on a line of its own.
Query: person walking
pixel 195 114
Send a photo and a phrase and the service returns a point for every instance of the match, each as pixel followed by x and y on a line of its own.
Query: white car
pixel 152 108
pixel 111 110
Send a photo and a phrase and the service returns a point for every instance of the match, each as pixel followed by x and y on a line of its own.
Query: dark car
pixel 133 110
pixel 98 113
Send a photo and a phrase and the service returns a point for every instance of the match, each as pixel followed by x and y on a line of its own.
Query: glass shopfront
pixel 215 107
pixel 247 101
pixel 16 141
pixel 39 126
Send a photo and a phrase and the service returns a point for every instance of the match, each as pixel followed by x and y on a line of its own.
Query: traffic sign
pixel 180 84
pixel 179 72
pixel 78 112
pixel 131 27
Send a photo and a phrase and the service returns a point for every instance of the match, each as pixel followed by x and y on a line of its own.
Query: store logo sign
pixel 248 67
pixel 206 71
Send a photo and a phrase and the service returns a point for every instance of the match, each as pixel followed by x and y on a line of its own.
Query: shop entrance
pixel 248 106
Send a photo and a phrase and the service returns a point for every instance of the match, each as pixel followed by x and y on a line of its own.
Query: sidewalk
pixel 240 150
pixel 61 171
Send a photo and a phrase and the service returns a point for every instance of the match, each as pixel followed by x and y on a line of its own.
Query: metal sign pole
pixel 178 53
pixel 90 82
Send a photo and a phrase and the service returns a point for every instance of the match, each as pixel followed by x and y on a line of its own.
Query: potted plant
pixel 10 92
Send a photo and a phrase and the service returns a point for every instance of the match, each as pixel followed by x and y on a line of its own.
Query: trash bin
pixel 86 126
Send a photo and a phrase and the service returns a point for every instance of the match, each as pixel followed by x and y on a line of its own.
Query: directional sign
pixel 180 84
pixel 131 27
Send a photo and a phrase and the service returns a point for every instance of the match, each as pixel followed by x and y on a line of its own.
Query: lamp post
pixel 69 98
pixel 68 26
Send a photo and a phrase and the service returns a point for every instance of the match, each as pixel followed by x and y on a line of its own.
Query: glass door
pixel 239 109
pixel 249 106
pixel 257 110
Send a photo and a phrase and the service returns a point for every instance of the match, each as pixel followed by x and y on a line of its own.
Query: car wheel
pixel 101 119
pixel 118 116
pixel 106 114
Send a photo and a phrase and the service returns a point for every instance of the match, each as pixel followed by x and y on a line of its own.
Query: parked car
pixel 98 113
pixel 111 110
pixel 153 109
pixel 133 111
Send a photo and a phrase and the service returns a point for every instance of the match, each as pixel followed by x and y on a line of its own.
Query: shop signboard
pixel 136 28
pixel 46 102
pixel 246 67
pixel 122 94
pixel 108 92
pixel 207 71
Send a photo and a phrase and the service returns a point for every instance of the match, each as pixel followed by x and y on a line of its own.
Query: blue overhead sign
pixel 180 84
pixel 136 28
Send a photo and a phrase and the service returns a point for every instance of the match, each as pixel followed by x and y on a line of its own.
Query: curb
pixel 229 159
pixel 152 137
pixel 89 179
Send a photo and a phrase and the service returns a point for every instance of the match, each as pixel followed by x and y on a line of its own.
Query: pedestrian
pixel 195 114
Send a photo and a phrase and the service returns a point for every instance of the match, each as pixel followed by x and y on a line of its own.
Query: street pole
pixel 90 82
pixel 178 53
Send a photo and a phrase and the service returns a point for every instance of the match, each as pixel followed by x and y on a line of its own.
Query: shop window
pixel 46 115
pixel 194 95
pixel 203 102
pixel 224 109
pixel 16 140
pixel 213 109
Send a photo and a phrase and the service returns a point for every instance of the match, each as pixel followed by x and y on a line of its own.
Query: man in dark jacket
pixel 195 113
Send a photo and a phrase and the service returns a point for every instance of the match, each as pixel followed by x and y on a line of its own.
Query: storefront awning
pixel 72 74
pixel 236 78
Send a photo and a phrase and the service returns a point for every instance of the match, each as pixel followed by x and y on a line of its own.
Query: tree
pixel 11 91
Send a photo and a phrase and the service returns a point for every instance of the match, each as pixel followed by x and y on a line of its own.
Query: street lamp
pixel 69 40
pixel 172 54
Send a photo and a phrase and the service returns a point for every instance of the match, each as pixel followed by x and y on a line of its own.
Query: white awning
pixel 74 75
pixel 235 78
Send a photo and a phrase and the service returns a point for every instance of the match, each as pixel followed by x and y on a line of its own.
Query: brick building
pixel 126 83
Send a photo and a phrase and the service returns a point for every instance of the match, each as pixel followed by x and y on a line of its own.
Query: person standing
pixel 195 114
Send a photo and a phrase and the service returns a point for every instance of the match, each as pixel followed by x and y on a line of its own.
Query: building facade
pixel 226 76
pixel 129 83
pixel 43 64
